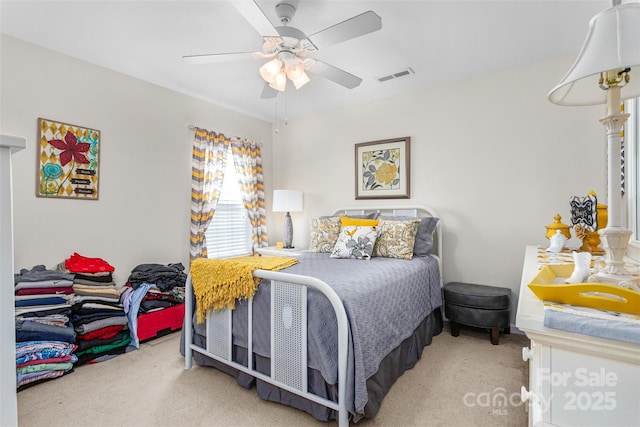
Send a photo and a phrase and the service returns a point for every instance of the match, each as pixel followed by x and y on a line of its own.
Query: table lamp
pixel 607 71
pixel 287 201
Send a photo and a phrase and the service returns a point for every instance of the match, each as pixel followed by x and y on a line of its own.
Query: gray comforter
pixel 385 300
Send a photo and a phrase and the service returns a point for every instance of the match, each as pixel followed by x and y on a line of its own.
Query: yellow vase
pixel 557 225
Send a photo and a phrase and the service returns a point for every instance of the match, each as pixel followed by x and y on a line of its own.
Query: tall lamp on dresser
pixel 287 201
pixel 607 71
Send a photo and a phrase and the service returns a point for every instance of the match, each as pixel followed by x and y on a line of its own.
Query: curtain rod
pixel 192 127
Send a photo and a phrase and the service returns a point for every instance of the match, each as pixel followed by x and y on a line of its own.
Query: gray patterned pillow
pixel 324 233
pixel 396 239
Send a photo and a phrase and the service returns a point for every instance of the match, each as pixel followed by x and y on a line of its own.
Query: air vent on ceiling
pixel 405 72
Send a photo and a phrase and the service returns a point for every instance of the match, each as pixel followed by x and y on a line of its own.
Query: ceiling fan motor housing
pixel 291 37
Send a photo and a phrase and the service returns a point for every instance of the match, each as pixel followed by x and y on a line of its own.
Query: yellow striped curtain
pixel 209 159
pixel 247 159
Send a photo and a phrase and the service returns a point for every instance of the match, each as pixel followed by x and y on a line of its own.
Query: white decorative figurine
pixel 582 265
pixel 557 242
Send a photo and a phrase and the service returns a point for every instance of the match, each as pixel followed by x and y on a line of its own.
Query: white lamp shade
pixel 287 201
pixel 612 43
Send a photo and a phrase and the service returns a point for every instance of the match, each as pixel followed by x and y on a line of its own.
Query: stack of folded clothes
pixel 150 288
pixel 44 336
pixel 38 361
pixel 40 281
pixel 97 315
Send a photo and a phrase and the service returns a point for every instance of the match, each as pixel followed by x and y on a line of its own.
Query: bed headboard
pixel 418 211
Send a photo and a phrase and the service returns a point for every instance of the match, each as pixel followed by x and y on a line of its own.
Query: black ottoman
pixel 479 306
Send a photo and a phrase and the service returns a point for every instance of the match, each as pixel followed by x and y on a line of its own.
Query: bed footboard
pixel 288 337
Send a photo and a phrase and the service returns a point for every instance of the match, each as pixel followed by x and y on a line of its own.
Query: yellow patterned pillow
pixel 396 238
pixel 324 233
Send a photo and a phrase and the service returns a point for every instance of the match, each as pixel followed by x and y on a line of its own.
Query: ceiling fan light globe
pixel 270 69
pixel 295 69
pixel 301 81
pixel 279 82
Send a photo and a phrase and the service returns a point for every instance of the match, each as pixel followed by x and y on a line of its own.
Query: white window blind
pixel 229 233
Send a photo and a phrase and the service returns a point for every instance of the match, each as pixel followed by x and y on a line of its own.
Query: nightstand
pixel 275 251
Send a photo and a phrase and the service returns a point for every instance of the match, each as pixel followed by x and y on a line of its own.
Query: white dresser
pixel 575 379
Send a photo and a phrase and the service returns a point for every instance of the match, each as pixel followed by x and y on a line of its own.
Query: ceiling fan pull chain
pixel 276 105
pixel 286 111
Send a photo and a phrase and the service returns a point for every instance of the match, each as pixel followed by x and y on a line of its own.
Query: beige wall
pixel 491 155
pixel 142 215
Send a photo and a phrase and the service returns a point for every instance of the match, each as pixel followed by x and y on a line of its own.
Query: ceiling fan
pixel 287 47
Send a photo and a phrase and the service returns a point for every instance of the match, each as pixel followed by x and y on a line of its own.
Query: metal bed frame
pixel 289 325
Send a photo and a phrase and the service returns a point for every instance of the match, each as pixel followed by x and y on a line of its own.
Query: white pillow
pixel 355 241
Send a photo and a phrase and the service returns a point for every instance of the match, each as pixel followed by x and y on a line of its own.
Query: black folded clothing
pixel 165 277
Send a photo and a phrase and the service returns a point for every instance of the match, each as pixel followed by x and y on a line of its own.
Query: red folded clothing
pixel 63 290
pixel 81 264
pixel 61 359
pixel 102 333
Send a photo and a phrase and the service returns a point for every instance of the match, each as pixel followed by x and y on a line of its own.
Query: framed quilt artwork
pixel 383 169
pixel 68 161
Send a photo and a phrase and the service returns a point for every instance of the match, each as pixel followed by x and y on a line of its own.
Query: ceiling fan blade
pixel 337 75
pixel 217 57
pixel 268 92
pixel 357 26
pixel 256 17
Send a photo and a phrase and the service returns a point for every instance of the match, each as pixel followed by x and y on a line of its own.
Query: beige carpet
pixel 463 381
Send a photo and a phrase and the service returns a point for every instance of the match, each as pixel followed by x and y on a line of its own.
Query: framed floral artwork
pixel 68 161
pixel 383 169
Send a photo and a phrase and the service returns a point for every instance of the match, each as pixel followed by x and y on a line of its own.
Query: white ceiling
pixel 442 41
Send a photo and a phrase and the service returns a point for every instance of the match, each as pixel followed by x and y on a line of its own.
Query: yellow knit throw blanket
pixel 217 283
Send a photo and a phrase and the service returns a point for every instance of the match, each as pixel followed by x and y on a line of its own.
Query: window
pixel 229 233
pixel 632 180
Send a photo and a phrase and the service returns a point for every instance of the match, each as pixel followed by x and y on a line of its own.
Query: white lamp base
pixel 614 242
pixel 627 281
pixel 614 237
